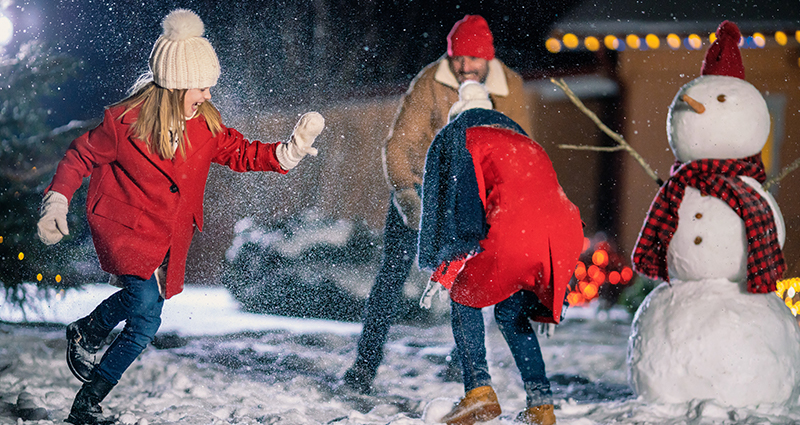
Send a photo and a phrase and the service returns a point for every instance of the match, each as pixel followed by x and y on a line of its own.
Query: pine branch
pixel 621 143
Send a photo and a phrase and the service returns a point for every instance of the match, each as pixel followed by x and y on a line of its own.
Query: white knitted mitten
pixel 52 224
pixel 299 145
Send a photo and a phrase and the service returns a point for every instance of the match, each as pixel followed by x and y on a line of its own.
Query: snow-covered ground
pixel 212 364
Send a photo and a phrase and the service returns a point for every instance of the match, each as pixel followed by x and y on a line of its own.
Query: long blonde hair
pixel 161 120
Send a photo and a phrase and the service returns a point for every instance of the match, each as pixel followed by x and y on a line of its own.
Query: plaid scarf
pixel 718 178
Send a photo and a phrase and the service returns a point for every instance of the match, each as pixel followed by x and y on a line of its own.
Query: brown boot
pixel 538 415
pixel 478 405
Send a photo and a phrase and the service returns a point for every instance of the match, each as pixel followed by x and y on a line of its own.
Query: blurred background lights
pixel 570 41
pixel 633 41
pixel 694 41
pixel 712 37
pixel 781 38
pixel 592 43
pixel 553 45
pixel 797 36
pixel 759 39
pixel 6 30
pixel 673 41
pixel 611 42
pixel 652 41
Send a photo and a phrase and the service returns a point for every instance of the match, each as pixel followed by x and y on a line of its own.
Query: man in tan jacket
pixel 423 111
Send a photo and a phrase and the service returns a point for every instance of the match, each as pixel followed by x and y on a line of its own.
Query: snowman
pixel 712 330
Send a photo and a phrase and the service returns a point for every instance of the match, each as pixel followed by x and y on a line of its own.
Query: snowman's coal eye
pixel 721 98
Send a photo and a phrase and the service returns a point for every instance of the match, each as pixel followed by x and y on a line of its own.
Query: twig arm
pixel 622 144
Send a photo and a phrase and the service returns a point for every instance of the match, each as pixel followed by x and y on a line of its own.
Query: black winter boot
pixel 84 340
pixel 86 408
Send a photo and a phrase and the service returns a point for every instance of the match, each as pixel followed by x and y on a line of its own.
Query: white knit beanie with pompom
pixel 182 58
pixel 471 95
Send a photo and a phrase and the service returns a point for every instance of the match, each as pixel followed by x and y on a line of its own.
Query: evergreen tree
pixel 29 153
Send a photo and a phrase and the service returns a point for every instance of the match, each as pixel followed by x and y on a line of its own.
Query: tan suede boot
pixel 478 405
pixel 538 415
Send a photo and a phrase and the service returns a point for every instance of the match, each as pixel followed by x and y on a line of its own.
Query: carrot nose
pixel 697 106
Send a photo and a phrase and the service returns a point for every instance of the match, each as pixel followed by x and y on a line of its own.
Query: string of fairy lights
pixel 39 276
pixel 571 41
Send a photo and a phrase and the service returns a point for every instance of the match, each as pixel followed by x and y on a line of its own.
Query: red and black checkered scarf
pixel 718 178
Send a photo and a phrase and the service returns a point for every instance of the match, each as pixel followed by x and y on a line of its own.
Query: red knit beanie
pixel 723 57
pixel 471 37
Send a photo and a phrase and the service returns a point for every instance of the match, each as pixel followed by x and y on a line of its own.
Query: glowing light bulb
pixel 58 278
pixel 633 41
pixel 652 41
pixel 673 41
pixel 570 41
pixel 611 42
pixel 614 277
pixel 39 277
pixel 21 256
pixel 552 45
pixel 712 37
pixel 759 40
pixel 694 41
pixel 627 274
pixel 592 43
pixel 600 258
pixel 781 38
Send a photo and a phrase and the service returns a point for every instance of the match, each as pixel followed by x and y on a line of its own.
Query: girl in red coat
pixel 148 163
pixel 502 232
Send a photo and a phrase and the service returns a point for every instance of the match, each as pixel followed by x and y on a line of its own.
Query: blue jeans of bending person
pixel 512 318
pixel 399 251
pixel 139 304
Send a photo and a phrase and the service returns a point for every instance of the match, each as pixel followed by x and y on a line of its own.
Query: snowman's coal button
pixel 698 215
pixel 698 240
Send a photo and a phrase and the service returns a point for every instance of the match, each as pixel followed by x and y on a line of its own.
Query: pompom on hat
pixel 471 95
pixel 182 58
pixel 471 37
pixel 723 57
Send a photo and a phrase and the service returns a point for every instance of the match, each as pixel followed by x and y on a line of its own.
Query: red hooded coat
pixel 139 206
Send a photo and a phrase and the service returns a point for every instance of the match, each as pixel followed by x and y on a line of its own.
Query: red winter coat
pixel 535 234
pixel 140 206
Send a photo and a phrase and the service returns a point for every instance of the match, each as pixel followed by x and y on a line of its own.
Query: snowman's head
pixel 717 117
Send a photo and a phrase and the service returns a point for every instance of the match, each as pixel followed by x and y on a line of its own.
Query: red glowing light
pixel 593 271
pixel 600 258
pixel 580 270
pixel 589 291
pixel 627 274
pixel 614 278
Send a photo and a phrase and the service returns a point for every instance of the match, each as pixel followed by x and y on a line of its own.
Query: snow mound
pixel 706 340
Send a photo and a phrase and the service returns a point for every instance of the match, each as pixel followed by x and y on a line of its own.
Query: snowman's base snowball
pixel 707 340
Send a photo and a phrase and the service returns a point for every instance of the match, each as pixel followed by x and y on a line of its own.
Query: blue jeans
pixel 399 252
pixel 139 304
pixel 512 318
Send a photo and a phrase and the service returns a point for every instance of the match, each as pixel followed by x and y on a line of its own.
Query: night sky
pixel 278 56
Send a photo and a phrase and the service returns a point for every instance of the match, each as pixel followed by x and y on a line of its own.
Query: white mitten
pixel 299 145
pixel 52 224
pixel 430 291
pixel 547 329
pixel 409 204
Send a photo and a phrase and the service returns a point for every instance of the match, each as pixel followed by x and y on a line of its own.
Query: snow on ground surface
pixel 212 364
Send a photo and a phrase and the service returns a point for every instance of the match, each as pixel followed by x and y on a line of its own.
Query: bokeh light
pixel 673 41
pixel 570 41
pixel 6 30
pixel 633 41
pixel 21 256
pixel 652 41
pixel 759 40
pixel 552 45
pixel 781 38
pixel 611 42
pixel 592 43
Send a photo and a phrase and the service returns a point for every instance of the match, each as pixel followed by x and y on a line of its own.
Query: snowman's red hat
pixel 723 57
